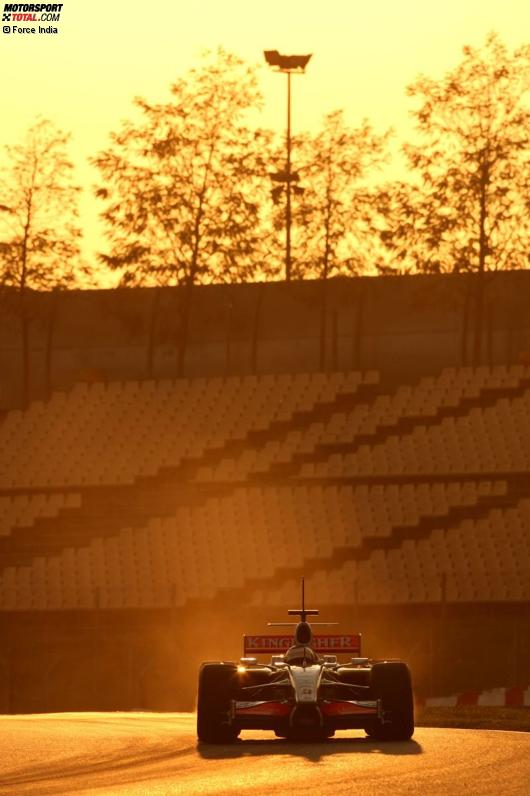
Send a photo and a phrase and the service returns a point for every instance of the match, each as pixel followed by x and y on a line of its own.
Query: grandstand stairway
pixel 398 535
pixel 106 510
pixel 487 396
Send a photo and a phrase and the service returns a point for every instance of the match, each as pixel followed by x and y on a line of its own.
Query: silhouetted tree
pixel 335 211
pixel 182 185
pixel 334 229
pixel 39 233
pixel 468 206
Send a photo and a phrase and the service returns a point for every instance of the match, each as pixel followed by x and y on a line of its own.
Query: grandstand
pixel 131 508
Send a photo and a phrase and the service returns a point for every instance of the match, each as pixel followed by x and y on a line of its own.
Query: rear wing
pixel 255 645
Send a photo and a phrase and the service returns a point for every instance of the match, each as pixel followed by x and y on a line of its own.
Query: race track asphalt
pixel 157 753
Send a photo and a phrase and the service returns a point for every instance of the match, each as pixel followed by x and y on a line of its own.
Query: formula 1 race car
pixel 304 692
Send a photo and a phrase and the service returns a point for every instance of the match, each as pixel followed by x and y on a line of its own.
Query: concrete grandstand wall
pixel 111 660
pixel 415 324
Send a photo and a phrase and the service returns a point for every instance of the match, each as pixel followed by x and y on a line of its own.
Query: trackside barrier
pixel 514 697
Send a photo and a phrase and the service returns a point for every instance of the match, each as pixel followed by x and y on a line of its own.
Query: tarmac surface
pixel 157 753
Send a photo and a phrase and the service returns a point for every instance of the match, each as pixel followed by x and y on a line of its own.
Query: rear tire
pixel 391 683
pixel 216 688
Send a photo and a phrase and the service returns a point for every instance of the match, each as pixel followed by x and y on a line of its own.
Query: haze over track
pixel 157 753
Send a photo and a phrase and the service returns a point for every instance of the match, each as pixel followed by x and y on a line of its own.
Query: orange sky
pixel 364 55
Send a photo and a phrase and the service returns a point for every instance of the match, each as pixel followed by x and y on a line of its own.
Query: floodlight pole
pixel 288 217
pixel 287 64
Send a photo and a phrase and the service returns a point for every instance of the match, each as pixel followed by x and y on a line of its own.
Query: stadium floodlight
pixel 288 64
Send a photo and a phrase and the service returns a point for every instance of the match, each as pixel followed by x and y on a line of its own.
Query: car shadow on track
pixel 313 751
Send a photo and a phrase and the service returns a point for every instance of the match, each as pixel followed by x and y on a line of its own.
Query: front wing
pixel 274 704
pixel 327 714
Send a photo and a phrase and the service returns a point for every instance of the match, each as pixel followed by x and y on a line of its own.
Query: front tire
pixel 216 687
pixel 391 683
